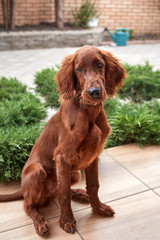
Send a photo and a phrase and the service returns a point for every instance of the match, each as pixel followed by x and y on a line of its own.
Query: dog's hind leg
pixel 78 195
pixel 40 224
pixel 33 189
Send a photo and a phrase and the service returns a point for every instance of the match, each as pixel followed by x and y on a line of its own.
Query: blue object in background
pixel 121 36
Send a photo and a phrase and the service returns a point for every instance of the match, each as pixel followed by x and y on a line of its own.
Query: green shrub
pixel 11 89
pixel 133 122
pixel 28 110
pixel 111 106
pixel 15 146
pixel 143 84
pixel 86 12
pixel 21 114
pixel 46 86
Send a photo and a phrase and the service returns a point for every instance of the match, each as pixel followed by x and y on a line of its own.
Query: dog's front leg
pixel 92 190
pixel 67 221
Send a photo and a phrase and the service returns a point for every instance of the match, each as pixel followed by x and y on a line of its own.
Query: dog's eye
pixel 79 70
pixel 99 65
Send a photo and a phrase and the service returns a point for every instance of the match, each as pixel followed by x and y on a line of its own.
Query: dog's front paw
pixel 41 226
pixel 68 225
pixel 104 210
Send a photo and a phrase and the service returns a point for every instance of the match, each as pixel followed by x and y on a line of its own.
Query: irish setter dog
pixel 72 139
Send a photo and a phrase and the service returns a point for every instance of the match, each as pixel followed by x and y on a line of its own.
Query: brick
pixel 143 15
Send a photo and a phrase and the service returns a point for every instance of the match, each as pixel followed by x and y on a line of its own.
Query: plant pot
pixel 93 22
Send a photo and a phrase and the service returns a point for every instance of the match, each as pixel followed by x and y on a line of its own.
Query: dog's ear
pixel 114 73
pixel 64 78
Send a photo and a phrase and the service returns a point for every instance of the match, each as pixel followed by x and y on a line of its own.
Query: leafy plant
pixel 21 114
pixel 15 146
pixel 133 122
pixel 11 89
pixel 111 106
pixel 46 86
pixel 131 33
pixel 143 83
pixel 28 110
pixel 86 12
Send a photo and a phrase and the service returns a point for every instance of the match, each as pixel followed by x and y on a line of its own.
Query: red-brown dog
pixel 72 139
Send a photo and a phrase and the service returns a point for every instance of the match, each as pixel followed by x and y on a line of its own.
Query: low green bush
pixel 46 86
pixel 28 110
pixel 21 114
pixel 133 122
pixel 11 89
pixel 15 146
pixel 111 106
pixel 142 84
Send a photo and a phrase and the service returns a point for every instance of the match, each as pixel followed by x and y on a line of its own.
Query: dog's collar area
pixel 85 102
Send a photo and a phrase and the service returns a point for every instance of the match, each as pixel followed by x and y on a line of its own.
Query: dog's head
pixel 90 73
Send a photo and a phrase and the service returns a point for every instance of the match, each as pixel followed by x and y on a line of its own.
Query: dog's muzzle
pixel 94 92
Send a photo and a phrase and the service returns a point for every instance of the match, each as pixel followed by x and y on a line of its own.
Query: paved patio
pixel 129 182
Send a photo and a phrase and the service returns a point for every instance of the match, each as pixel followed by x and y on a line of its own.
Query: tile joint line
pixel 79 234
pixel 152 189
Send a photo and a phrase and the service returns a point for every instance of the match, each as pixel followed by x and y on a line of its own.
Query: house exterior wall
pixel 143 16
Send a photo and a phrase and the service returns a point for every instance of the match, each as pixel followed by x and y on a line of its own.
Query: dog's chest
pixel 89 149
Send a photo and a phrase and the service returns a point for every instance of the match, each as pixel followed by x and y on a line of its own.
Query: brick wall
pixel 143 16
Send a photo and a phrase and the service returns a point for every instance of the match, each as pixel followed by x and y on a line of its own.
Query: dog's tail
pixel 11 197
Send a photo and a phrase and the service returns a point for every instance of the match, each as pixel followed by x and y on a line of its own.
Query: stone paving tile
pixel 143 164
pixel 28 233
pixel 13 215
pixel 137 217
pixel 157 190
pixel 120 150
pixel 11 187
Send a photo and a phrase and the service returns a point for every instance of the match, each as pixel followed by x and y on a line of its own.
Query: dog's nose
pixel 94 92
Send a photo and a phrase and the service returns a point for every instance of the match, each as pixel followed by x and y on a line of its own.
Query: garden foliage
pixel 132 122
pixel 20 126
pixel 47 87
pixel 143 84
pixel 85 13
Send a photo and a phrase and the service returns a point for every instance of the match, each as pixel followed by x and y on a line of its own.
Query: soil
pixel 40 27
